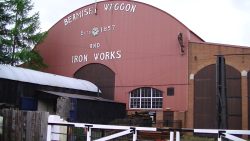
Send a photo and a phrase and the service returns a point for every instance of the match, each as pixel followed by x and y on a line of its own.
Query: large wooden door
pixel 205 113
pixel 100 75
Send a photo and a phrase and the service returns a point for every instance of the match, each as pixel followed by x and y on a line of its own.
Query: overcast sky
pixel 216 21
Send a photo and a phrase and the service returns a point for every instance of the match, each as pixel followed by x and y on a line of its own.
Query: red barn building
pixel 142 56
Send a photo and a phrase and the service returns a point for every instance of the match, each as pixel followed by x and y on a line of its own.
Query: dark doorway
pixel 168 117
pixel 100 75
pixel 205 114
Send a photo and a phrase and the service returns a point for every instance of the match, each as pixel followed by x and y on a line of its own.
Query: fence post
pixel 171 136
pixel 177 135
pixel 55 130
pixel 49 133
pixel 88 132
pixel 134 131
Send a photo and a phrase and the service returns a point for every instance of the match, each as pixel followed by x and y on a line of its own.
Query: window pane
pixel 157 103
pixel 135 93
pixel 146 103
pixel 146 92
pixel 143 91
pixel 156 93
pixel 135 103
pixel 170 91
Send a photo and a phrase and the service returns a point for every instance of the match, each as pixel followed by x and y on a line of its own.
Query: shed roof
pixel 42 78
pixel 77 96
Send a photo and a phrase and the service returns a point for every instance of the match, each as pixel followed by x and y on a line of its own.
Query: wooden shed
pixel 27 89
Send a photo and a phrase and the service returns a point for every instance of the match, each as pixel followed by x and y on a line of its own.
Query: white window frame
pixel 140 98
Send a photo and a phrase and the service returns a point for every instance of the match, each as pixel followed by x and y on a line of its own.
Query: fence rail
pixel 174 134
pixel 39 126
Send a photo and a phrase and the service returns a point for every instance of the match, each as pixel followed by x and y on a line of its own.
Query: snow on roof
pixel 42 78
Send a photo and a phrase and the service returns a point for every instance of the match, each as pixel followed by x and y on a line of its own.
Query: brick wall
pixel 202 55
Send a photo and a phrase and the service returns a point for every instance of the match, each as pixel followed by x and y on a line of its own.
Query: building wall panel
pixel 136 41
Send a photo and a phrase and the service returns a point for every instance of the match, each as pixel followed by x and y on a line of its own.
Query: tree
pixel 22 34
pixel 5 17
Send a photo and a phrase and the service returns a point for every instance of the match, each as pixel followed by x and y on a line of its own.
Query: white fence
pixel 54 122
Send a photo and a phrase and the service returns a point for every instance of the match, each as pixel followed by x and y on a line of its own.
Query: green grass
pixel 196 138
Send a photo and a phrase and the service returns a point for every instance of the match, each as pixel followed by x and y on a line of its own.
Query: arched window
pixel 145 98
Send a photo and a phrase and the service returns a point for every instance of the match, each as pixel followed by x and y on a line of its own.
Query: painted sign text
pixel 101 56
pixel 108 7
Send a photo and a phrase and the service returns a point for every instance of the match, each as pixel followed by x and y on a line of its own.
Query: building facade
pixel 202 88
pixel 138 55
